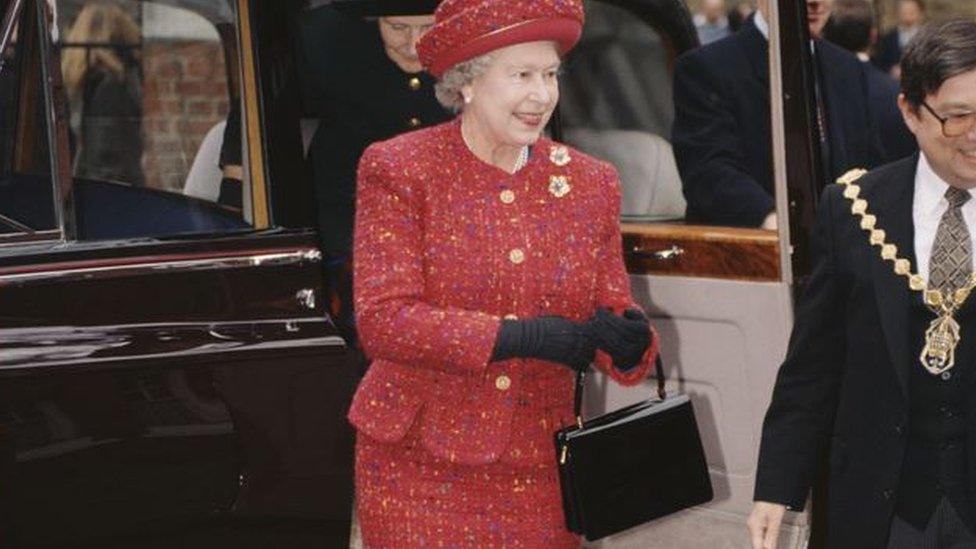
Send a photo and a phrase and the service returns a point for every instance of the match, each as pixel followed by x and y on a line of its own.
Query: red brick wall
pixel 184 95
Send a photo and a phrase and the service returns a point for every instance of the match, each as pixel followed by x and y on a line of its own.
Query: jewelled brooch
pixel 559 185
pixel 559 155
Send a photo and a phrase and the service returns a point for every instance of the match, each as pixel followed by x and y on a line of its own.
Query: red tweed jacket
pixel 445 247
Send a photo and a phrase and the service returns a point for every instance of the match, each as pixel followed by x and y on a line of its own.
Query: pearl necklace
pixel 522 160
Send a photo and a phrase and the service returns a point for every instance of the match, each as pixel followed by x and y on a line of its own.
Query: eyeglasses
pixel 954 125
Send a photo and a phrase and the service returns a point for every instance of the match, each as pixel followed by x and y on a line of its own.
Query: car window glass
pixel 155 143
pixel 26 192
pixel 616 105
pixel 619 103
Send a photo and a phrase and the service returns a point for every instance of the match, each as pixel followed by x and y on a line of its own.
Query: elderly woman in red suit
pixel 488 269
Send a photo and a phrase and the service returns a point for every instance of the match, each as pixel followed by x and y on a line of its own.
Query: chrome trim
pixel 299 257
pixel 306 298
pixel 661 255
pixel 19 239
pixel 7 30
pixel 14 224
pixel 32 347
pixel 56 115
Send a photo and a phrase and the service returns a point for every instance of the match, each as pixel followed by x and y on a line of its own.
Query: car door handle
pixel 668 254
pixel 306 298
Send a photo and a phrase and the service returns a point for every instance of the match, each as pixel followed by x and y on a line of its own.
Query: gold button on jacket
pixel 516 256
pixel 502 383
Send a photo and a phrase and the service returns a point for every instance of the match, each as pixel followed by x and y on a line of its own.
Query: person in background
pixel 739 14
pixel 711 22
pixel 488 271
pixel 721 132
pixel 231 194
pixel 852 27
pixel 882 358
pixel 364 82
pixel 104 94
pixel 911 15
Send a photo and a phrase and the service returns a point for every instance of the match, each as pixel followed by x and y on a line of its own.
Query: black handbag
pixel 630 466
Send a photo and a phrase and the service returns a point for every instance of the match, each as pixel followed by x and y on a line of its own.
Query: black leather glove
pixel 551 338
pixel 625 338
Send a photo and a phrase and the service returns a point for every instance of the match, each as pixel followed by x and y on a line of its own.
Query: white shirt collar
pixel 760 22
pixel 930 190
pixel 929 204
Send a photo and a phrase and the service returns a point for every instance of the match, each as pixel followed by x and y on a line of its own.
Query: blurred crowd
pixel 852 25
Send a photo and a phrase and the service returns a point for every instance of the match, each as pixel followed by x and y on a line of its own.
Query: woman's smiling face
pixel 514 99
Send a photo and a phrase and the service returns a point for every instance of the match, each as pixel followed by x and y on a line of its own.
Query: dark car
pixel 169 376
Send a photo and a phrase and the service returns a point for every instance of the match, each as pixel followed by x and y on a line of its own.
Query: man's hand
pixel 764 523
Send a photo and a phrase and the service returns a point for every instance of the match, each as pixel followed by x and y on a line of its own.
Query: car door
pixel 169 375
pixel 720 296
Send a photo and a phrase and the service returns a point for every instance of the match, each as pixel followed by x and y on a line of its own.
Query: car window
pixel 26 192
pixel 155 143
pixel 616 105
pixel 685 124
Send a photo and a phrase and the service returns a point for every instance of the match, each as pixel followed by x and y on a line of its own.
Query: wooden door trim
pixel 702 251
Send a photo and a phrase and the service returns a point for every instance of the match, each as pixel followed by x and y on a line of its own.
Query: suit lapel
pixel 892 204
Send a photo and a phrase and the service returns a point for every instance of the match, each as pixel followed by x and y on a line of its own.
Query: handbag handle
pixel 581 380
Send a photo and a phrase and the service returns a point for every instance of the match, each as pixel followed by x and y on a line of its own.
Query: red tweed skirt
pixel 406 497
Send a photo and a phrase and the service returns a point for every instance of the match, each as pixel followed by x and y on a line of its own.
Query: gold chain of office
pixel 943 334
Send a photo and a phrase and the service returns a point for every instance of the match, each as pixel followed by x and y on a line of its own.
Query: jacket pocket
pixel 467 419
pixel 386 403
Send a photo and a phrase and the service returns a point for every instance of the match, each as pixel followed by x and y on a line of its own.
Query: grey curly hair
pixel 448 87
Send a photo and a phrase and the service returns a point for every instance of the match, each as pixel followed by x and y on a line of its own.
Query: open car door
pixel 169 376
pixel 720 296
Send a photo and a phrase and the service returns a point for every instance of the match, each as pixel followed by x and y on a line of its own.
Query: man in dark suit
pixel 721 133
pixel 852 27
pixel 911 15
pixel 882 360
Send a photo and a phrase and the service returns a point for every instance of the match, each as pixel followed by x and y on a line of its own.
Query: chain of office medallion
pixel 936 300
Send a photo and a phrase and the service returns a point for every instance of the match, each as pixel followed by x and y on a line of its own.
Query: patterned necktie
pixel 951 265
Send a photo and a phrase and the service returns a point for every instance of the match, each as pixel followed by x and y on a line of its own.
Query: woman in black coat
pixel 104 94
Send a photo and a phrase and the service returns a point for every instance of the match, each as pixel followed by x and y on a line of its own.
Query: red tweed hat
pixel 465 29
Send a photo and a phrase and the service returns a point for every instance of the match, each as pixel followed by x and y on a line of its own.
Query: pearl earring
pixel 467 98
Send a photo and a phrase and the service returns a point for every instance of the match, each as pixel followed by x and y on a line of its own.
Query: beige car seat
pixel 649 180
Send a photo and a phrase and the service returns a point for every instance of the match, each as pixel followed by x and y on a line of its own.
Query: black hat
pixel 381 8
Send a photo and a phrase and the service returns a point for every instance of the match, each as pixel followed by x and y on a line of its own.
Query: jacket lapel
pixel 892 204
